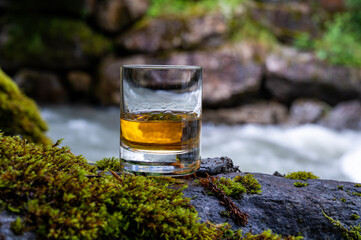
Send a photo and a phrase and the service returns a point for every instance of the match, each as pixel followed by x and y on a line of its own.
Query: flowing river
pixel 330 154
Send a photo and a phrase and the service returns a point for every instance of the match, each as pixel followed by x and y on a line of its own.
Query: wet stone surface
pixel 284 208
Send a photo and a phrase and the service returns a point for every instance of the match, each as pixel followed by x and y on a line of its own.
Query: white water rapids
pixel 330 154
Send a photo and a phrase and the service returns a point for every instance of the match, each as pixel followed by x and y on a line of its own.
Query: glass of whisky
pixel 160 119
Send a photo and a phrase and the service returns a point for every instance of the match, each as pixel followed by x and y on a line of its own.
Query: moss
pixel 238 185
pixel 250 183
pixel 343 200
pixel 357 185
pixel 300 184
pixel 355 216
pixel 357 194
pixel 50 41
pixel 266 235
pixel 19 115
pixel 54 190
pixel 109 163
pixel 353 233
pixel 17 226
pixel 340 187
pixel 301 175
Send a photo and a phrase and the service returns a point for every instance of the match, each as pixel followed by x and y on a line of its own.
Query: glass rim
pixel 160 67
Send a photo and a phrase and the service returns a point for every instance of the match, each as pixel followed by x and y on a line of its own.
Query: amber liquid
pixel 162 130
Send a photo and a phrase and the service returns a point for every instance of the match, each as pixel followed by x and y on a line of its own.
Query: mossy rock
pixel 60 196
pixel 49 43
pixel 19 114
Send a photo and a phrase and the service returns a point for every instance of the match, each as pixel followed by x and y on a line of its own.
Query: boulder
pixel 43 87
pixel 291 74
pixel 285 208
pixel 286 19
pixel 113 15
pixel 345 115
pixel 229 78
pixel 79 81
pixel 256 113
pixel 19 115
pixel 50 43
pixel 175 32
pixel 305 111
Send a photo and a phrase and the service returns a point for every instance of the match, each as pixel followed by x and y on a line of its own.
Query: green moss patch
pixel 239 185
pixel 52 188
pixel 351 233
pixel 109 163
pixel 19 115
pixel 300 184
pixel 301 175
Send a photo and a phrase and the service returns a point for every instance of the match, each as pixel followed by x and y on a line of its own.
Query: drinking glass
pixel 160 119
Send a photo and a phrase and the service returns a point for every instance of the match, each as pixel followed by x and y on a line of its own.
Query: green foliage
pixel 109 163
pixel 301 175
pixel 303 41
pixel 300 184
pixel 357 185
pixel 354 233
pixel 19 115
pixel 57 195
pixel 331 47
pixel 343 200
pixel 355 216
pixel 340 187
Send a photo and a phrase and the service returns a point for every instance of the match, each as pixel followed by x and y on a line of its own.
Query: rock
pixel 286 19
pixel 19 115
pixel 228 78
pixel 284 208
pixel 79 81
pixel 167 33
pixel 256 113
pixel 50 43
pixel 304 111
pixel 114 15
pixel 62 7
pixel 346 115
pixel 213 166
pixel 5 231
pixel 44 87
pixel 292 74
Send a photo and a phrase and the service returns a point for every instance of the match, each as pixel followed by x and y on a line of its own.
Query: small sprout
pixel 301 175
pixel 300 184
pixel 17 226
pixel 355 216
pixel 343 200
pixel 340 187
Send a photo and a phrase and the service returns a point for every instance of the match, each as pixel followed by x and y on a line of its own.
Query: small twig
pixel 237 215
pixel 116 175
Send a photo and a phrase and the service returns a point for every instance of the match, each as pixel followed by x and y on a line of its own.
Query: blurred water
pixel 330 154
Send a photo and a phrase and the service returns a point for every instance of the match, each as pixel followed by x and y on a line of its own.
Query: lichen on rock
pixel 19 115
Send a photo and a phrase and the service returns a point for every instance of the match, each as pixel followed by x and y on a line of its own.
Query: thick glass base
pixel 160 163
